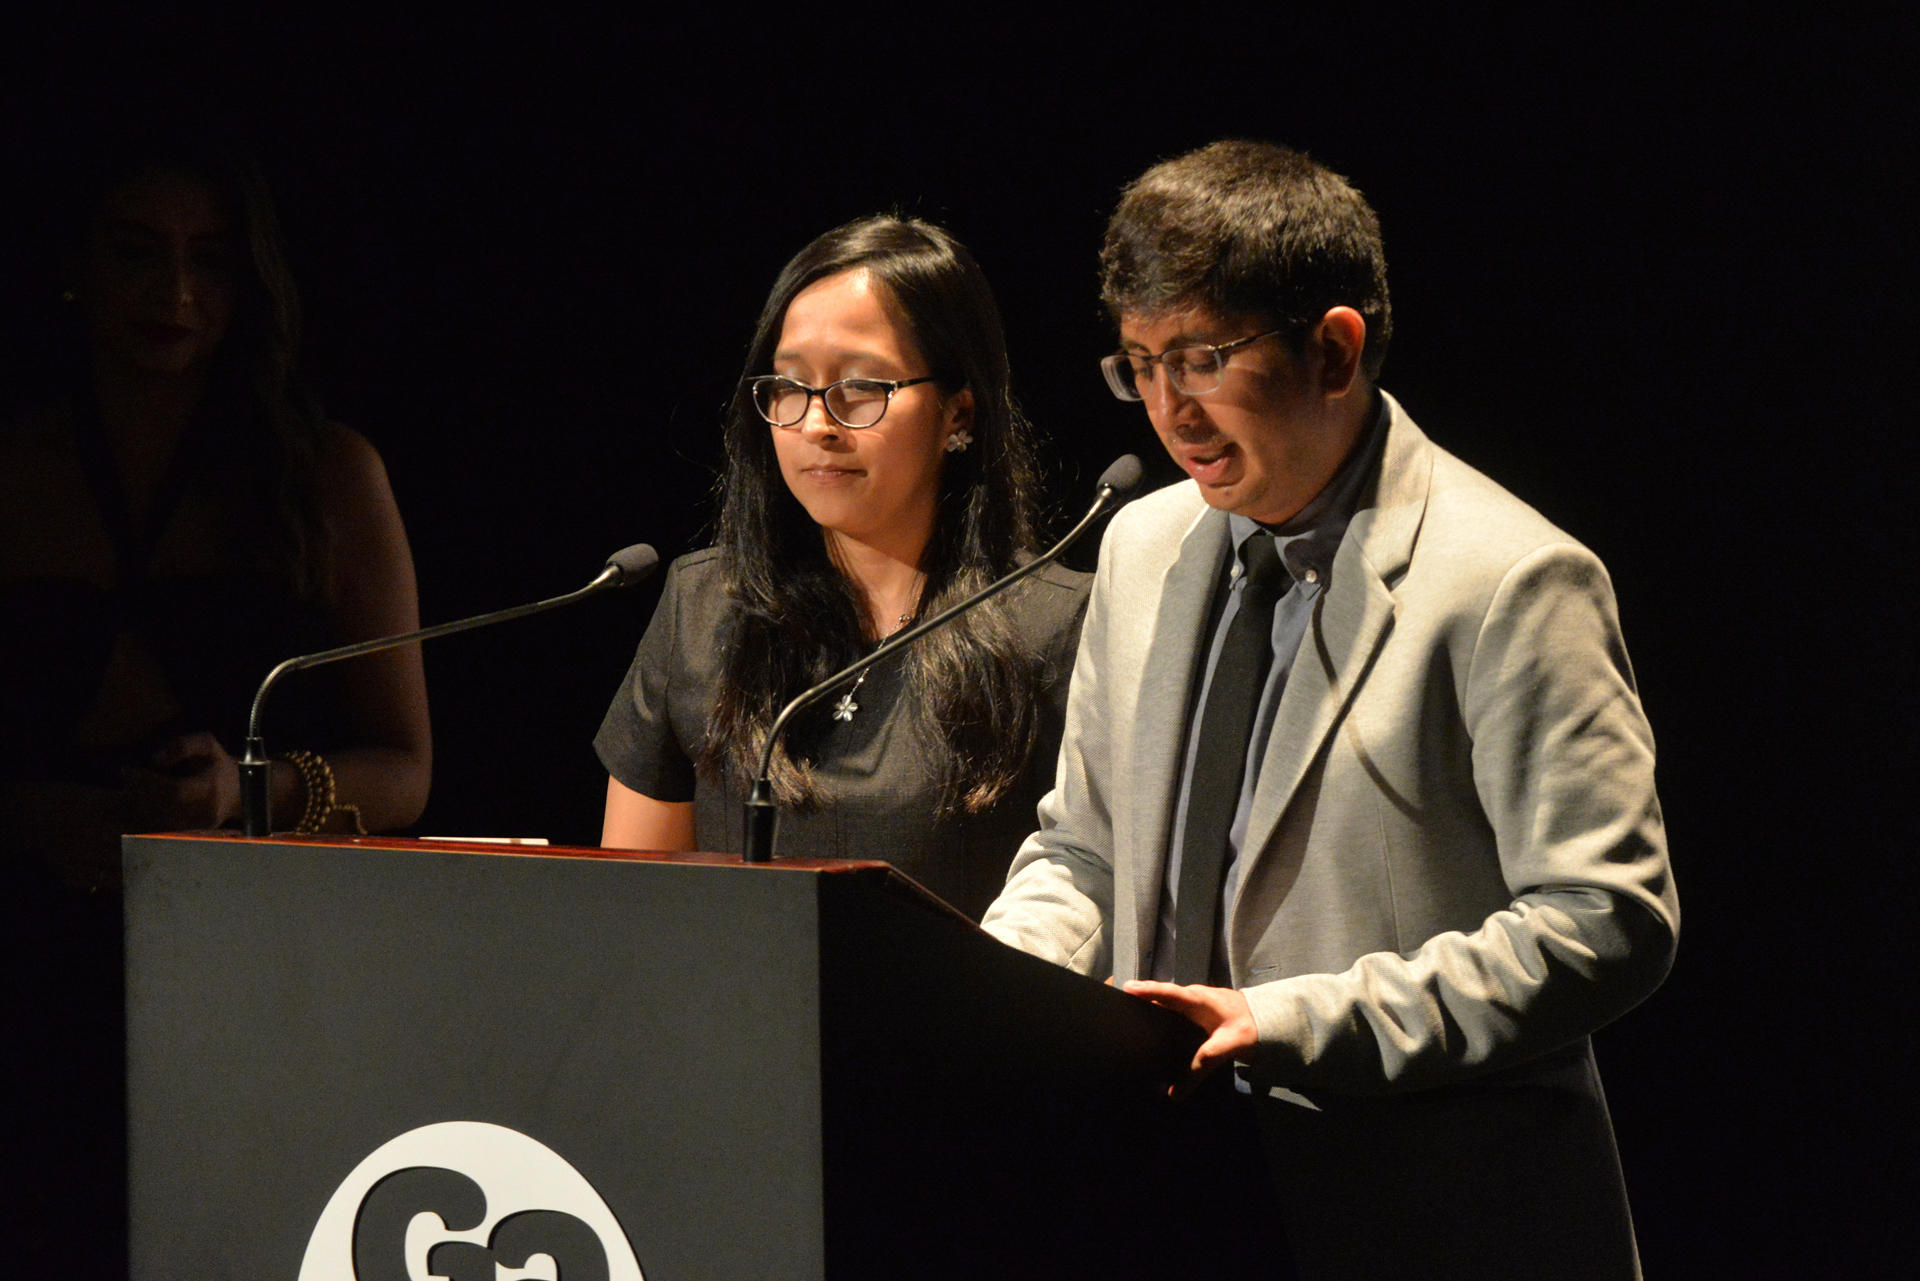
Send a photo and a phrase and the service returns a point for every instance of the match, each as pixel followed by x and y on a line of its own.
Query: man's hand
pixel 1221 1012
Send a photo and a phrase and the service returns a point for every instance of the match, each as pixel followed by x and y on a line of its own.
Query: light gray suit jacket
pixel 1455 865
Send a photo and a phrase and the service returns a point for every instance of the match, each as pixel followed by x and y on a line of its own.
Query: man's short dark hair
pixel 1248 228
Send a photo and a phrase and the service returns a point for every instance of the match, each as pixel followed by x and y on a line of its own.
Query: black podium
pixel 433 1059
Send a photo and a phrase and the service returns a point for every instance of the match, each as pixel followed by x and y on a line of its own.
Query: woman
pixel 176 517
pixel 878 473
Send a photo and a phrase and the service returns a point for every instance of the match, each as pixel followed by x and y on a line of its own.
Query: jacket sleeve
pixel 1563 770
pixel 1058 900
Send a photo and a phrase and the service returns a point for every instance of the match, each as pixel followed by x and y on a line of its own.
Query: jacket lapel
pixel 1185 599
pixel 1351 620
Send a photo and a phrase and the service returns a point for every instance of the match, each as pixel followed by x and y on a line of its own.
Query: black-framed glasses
pixel 851 402
pixel 1197 370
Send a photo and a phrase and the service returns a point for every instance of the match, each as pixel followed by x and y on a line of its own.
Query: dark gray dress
pixel 873 765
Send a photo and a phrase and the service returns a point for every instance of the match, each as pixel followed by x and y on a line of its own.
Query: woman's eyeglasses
pixel 851 402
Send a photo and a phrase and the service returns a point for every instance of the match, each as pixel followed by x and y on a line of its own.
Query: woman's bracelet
pixel 322 798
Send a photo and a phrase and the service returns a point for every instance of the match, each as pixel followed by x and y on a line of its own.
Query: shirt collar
pixel 1308 542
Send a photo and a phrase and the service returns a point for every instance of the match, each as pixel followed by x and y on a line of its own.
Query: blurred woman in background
pixel 176 516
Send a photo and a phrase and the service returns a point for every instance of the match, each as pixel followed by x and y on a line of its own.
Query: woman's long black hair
pixel 798 620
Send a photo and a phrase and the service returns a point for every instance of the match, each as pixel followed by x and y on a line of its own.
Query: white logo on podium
pixel 467 1201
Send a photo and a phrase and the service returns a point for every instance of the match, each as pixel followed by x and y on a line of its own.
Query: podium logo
pixel 467 1201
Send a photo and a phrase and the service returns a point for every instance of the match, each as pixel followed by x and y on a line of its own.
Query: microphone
pixel 624 568
pixel 1115 486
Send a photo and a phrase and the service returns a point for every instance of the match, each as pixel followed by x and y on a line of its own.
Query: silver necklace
pixel 846 707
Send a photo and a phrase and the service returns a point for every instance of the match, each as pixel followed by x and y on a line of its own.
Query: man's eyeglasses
pixel 851 402
pixel 1193 371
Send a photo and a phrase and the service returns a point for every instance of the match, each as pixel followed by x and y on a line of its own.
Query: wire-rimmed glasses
pixel 851 402
pixel 1195 370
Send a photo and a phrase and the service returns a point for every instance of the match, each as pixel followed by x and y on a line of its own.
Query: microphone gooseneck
pixel 1115 486
pixel 624 568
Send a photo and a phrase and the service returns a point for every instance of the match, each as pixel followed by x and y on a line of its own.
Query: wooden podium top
pixel 900 881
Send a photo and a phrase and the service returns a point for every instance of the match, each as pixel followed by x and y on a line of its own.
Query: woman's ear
pixel 960 410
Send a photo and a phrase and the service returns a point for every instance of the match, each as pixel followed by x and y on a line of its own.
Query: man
pixel 1355 775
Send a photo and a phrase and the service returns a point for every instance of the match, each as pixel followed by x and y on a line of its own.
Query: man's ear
pixel 1339 339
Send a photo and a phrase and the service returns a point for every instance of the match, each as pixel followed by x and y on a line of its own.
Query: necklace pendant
pixel 845 708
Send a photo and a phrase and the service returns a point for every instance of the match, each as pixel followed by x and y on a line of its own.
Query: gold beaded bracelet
pixel 322 798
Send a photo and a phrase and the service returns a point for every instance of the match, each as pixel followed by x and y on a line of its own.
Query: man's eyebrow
pixel 1182 339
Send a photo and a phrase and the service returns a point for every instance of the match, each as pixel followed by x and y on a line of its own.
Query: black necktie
pixel 1220 763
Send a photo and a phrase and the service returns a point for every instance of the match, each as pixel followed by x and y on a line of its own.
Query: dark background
pixel 1652 276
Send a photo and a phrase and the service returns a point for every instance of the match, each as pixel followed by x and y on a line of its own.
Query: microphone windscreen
pixel 1122 476
pixel 639 561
